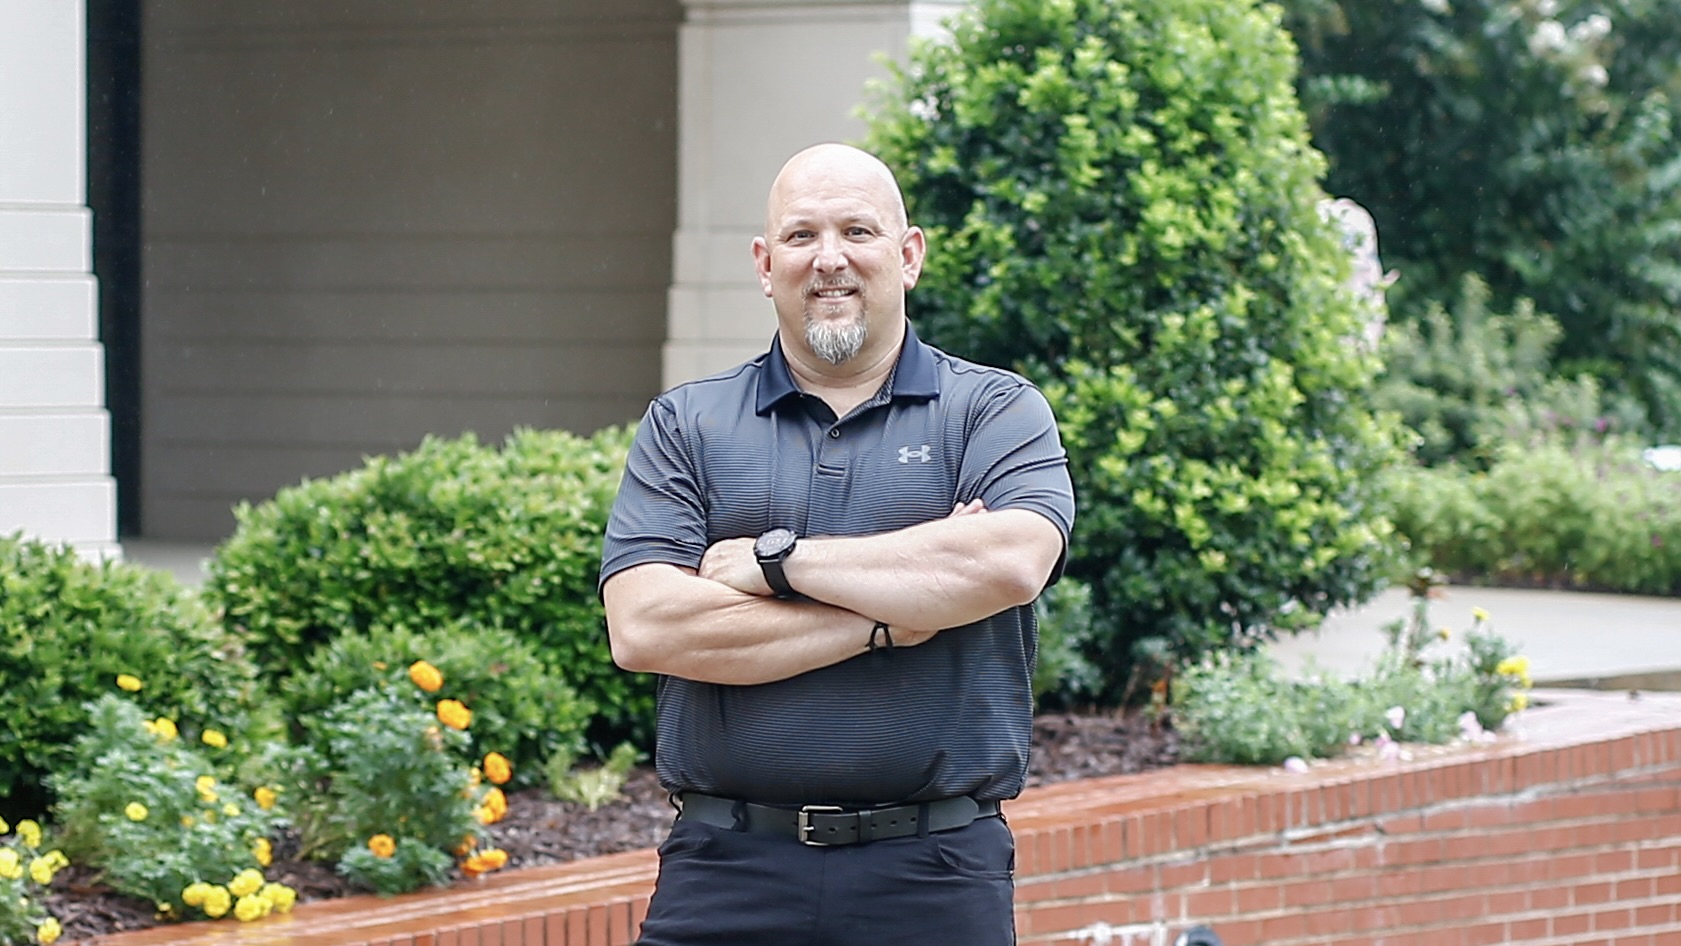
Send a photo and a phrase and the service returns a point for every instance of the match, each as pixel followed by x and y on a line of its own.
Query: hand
pixel 969 508
pixel 732 562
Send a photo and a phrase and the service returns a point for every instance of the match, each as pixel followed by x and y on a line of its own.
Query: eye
pixel 859 232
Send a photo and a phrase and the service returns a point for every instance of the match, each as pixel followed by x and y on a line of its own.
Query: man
pixel 830 555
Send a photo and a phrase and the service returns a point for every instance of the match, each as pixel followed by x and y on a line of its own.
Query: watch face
pixel 774 544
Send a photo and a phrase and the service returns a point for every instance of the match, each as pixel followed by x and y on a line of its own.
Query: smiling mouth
pixel 834 293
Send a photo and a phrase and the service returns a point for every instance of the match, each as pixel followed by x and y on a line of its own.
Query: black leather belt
pixel 829 825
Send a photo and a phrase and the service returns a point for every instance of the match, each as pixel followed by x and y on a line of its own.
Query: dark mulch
pixel 542 830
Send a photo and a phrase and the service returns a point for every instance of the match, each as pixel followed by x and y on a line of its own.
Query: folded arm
pixel 666 619
pixel 940 574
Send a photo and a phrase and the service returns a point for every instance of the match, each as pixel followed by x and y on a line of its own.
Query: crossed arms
pixel 720 624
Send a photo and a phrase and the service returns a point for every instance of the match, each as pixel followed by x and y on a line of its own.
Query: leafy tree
pixel 1120 200
pixel 1531 142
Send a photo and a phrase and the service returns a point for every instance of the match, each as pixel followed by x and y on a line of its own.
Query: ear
pixel 761 263
pixel 912 250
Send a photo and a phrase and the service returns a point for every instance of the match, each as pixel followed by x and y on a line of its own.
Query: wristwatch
pixel 772 549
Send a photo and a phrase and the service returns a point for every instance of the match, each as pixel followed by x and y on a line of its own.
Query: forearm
pixel 661 619
pixel 940 574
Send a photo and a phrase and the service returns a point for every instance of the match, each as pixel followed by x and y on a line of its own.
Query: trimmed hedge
pixel 1586 515
pixel 452 532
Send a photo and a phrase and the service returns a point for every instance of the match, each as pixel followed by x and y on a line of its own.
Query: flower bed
pixel 1571 825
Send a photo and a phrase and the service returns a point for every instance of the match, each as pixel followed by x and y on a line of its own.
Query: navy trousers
pixel 719 887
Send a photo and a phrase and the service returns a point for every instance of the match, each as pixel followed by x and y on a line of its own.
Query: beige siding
pixel 368 222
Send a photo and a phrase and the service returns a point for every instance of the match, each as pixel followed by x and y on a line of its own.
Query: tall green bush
pixel 450 533
pixel 1533 142
pixel 69 628
pixel 1120 202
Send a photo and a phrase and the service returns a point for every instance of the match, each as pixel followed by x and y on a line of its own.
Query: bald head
pixel 836 166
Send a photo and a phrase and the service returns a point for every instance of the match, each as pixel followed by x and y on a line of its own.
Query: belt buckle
pixel 806 827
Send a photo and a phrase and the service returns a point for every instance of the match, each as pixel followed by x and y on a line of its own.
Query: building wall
pixel 369 222
pixel 54 431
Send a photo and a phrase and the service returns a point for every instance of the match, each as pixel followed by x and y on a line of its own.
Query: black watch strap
pixel 776 578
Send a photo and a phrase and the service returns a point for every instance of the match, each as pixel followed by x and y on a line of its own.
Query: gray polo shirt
pixel 746 451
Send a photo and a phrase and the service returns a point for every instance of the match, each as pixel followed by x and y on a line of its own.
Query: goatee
pixel 835 343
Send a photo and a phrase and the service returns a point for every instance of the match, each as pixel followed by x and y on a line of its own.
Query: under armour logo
pixel 920 454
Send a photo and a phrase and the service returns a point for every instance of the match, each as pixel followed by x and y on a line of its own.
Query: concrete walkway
pixel 1570 638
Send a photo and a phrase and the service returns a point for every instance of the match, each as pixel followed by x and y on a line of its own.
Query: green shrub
pixel 1470 380
pixel 68 628
pixel 520 708
pixel 450 533
pixel 378 768
pixel 146 808
pixel 1238 708
pixel 1062 676
pixel 1121 199
pixel 1557 513
pixel 1533 143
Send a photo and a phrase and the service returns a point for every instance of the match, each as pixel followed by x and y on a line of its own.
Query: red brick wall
pixel 1568 834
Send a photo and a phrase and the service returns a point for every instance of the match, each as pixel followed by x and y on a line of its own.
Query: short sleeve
pixel 1014 459
pixel 659 515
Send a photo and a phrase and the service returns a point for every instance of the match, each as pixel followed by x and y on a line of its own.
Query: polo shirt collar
pixel 913 377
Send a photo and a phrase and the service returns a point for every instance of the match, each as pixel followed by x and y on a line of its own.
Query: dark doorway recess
pixel 113 62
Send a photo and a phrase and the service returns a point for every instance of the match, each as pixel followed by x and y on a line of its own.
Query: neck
pixel 849 384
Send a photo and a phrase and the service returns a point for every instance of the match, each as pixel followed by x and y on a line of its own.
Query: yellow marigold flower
pixel 1519 701
pixel 48 932
pixel 41 870
pixel 497 768
pixel 1517 666
pixel 206 786
pixel 165 728
pixel 382 845
pixel 426 676
pixel 188 821
pixel 136 811
pixel 231 810
pixel 129 682
pixel 193 894
pixel 4 827
pixel 281 896
pixel 29 832
pixel 454 714
pixel 1479 615
pixel 57 859
pixel 263 851
pixel 10 867
pixel 214 739
pixel 217 900
pixel 265 797
pixel 1444 634
pixel 246 882
pixel 493 808
pixel 251 907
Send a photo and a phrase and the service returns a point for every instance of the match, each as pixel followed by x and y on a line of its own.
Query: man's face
pixel 836 257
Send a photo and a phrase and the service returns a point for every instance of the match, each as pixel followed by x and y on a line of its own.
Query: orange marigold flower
pixel 497 768
pixel 454 714
pixel 484 862
pixel 467 844
pixel 426 676
pixel 382 845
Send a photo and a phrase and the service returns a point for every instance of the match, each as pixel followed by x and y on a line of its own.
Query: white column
pixel 759 80
pixel 55 480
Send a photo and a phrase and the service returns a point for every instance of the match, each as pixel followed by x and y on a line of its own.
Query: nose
pixel 831 254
